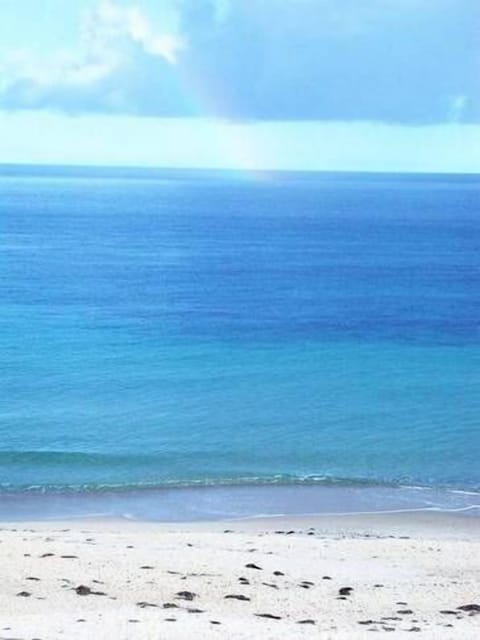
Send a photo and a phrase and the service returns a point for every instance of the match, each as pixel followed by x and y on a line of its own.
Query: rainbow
pixel 237 144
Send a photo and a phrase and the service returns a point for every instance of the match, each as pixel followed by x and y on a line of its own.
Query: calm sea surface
pixel 162 328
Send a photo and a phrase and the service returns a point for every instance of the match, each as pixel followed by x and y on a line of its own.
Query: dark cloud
pixel 390 61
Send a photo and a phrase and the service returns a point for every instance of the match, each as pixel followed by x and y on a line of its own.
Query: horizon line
pixel 226 169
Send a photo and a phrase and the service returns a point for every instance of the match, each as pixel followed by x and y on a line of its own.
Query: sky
pixel 372 85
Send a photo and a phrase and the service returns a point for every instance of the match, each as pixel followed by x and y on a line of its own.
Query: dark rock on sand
pixel 270 616
pixel 144 605
pixel 192 610
pixel 345 591
pixel 24 594
pixel 186 595
pixel 251 565
pixel 237 597
pixel 306 622
pixel 447 612
pixel 471 608
pixel 405 612
pixel 278 573
pixel 170 605
pixel 82 590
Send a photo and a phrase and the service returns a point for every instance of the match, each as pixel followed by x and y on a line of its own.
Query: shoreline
pixel 421 524
pixel 279 578
pixel 234 502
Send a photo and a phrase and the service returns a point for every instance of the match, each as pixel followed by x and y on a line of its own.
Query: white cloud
pixel 108 35
pixel 111 22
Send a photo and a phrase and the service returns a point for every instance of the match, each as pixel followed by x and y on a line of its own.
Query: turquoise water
pixel 164 328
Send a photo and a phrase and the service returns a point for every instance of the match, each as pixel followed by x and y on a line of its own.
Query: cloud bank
pixel 403 61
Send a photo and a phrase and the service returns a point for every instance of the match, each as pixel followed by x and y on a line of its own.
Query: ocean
pixel 250 342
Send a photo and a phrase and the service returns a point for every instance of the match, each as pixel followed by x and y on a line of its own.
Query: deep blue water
pixel 199 327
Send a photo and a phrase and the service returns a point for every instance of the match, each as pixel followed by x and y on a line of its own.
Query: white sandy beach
pixel 407 573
